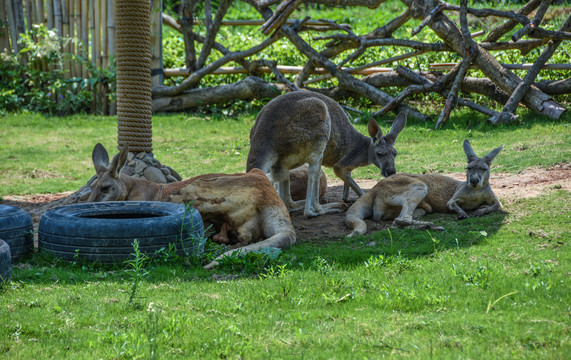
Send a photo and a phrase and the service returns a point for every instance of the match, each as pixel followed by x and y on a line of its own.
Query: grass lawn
pixel 489 287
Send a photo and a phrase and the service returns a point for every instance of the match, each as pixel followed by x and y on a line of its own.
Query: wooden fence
pixel 90 24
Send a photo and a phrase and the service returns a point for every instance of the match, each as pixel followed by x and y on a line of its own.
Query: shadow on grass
pixel 42 268
pixel 348 252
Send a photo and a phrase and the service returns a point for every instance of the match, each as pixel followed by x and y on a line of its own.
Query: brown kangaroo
pixel 243 205
pixel 306 127
pixel 398 196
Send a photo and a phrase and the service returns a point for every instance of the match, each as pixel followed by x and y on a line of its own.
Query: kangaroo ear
pixel 100 159
pixel 119 161
pixel 469 151
pixel 374 130
pixel 398 125
pixel 492 154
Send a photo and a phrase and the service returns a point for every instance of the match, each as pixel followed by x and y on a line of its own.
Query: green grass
pixel 457 294
pixel 49 155
pixel 489 287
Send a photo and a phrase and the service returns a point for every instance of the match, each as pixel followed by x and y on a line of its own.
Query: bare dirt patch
pixel 508 187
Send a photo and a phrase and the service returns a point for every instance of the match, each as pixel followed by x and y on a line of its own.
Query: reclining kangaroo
pixel 245 205
pixel 306 127
pixel 398 196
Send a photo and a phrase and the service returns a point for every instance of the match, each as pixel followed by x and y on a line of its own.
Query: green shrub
pixel 35 78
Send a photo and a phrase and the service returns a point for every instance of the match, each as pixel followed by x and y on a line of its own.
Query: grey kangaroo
pixel 398 196
pixel 306 127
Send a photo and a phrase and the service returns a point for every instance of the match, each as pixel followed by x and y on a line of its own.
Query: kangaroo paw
pixel 462 216
pixel 294 206
pixel 324 209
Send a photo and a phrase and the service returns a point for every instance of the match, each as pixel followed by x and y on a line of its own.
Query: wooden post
pixel 84 35
pixel 15 12
pixel 111 44
pixel 39 12
pixel 77 37
pixel 104 56
pixel 71 36
pixel 4 32
pixel 156 44
pixel 29 14
pixel 50 14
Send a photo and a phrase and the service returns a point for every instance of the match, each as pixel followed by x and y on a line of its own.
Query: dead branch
pixel 506 27
pixel 508 113
pixel 250 88
pixel 387 30
pixel 363 67
pixel 186 28
pixel 552 35
pixel 539 14
pixel 194 78
pixel 437 10
pixel 280 16
pixel 522 19
pixel 471 51
pixel 212 29
pixel 500 84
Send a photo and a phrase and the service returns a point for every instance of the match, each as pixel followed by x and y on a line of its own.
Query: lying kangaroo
pixel 306 127
pixel 244 205
pixel 398 196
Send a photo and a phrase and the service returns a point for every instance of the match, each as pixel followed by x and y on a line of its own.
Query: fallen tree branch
pixel 250 88
pixel 437 10
pixel 471 51
pixel 195 77
pixel 539 14
pixel 503 29
pixel 358 69
pixel 508 113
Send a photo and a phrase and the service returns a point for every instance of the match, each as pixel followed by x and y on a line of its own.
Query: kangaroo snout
pixel 474 181
pixel 388 171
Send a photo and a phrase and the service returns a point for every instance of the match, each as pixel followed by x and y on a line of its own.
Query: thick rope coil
pixel 133 61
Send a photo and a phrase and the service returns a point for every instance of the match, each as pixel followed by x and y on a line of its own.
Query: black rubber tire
pixel 104 232
pixel 5 262
pixel 17 230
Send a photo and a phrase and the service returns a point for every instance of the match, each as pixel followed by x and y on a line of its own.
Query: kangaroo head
pixel 382 152
pixel 478 170
pixel 108 186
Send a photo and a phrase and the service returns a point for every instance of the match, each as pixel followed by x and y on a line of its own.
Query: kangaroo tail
pixel 355 223
pixel 361 209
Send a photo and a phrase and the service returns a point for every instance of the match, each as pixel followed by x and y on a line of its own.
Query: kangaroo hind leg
pixel 280 175
pixel 312 206
pixel 409 200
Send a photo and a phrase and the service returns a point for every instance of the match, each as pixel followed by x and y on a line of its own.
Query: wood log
pixel 250 88
pixel 281 68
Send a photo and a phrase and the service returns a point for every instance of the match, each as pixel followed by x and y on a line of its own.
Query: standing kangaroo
pixel 398 196
pixel 306 127
pixel 244 205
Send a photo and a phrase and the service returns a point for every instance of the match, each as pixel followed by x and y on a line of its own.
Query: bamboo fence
pixel 87 27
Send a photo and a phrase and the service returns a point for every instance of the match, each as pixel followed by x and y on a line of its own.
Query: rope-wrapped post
pixel 133 61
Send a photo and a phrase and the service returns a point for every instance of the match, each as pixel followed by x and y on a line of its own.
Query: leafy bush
pixel 35 78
